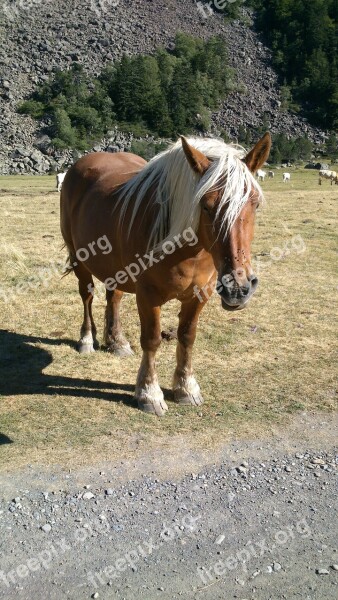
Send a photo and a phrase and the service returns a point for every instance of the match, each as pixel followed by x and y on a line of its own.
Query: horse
pixel 176 227
pixel 261 175
pixel 59 181
pixel 286 177
pixel 326 174
pixel 271 174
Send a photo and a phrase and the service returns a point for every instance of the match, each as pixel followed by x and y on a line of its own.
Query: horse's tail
pixel 69 266
pixel 66 234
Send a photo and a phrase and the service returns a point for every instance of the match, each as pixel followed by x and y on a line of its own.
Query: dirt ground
pixel 256 519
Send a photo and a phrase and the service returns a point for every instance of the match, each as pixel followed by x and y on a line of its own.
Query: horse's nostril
pixel 254 281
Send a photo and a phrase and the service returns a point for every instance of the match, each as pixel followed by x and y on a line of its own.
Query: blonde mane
pixel 178 190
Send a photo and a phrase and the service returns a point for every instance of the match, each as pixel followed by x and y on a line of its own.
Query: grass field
pixel 256 367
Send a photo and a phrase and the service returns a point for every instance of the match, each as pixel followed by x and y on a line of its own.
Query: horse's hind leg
pixel 88 342
pixel 113 334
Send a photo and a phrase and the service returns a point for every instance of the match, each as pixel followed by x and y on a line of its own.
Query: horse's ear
pixel 198 162
pixel 259 153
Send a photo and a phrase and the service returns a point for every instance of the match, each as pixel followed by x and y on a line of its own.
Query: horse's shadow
pixel 4 439
pixel 21 372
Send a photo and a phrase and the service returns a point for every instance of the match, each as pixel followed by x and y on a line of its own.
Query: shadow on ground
pixel 4 439
pixel 22 362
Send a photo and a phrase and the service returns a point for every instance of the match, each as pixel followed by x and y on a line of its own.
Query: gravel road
pixel 256 520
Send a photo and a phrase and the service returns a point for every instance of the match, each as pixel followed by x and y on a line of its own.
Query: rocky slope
pixel 39 37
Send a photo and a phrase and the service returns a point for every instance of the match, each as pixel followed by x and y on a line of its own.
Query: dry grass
pixel 255 368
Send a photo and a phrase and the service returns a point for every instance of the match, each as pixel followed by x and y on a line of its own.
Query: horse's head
pixel 230 242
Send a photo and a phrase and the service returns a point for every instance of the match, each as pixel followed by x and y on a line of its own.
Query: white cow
pixel 59 180
pixel 261 175
pixel 286 177
pixel 271 174
pixel 326 174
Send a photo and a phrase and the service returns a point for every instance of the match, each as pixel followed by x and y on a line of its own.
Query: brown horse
pixel 162 230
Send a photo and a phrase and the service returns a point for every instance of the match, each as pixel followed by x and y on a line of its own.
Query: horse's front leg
pixel 148 392
pixel 185 387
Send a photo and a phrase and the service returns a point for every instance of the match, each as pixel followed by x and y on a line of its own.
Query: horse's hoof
pixel 87 344
pixel 85 348
pixel 155 407
pixel 184 399
pixel 121 351
pixel 150 399
pixel 187 392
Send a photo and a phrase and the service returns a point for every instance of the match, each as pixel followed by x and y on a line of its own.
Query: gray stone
pixel 241 470
pixel 36 156
pixel 220 539
pixel 88 496
pixel 322 572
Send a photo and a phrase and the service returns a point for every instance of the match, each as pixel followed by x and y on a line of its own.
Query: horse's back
pixel 88 190
pixel 113 168
pixel 103 171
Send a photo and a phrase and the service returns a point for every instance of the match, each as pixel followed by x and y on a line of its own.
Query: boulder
pixel 319 166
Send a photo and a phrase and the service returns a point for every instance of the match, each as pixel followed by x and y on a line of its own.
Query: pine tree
pixel 64 134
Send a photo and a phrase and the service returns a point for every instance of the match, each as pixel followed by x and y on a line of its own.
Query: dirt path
pixel 252 520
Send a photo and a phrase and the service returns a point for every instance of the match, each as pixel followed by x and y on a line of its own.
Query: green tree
pixel 64 134
pixel 303 35
pixel 332 146
pixel 186 46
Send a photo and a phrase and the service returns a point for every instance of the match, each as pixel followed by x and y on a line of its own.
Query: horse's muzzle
pixel 235 296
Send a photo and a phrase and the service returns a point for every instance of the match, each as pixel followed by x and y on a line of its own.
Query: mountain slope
pixel 48 36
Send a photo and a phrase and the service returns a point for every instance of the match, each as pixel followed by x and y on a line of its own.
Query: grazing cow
pixel 271 174
pixel 326 174
pixel 286 177
pixel 59 180
pixel 261 175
